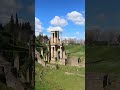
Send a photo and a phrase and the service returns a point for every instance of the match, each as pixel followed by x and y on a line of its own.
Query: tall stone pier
pixel 57 52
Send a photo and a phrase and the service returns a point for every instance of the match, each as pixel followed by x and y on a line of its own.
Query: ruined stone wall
pixel 41 61
pixel 97 81
pixel 72 61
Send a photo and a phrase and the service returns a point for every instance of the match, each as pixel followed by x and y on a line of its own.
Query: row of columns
pixel 54 52
pixel 55 37
pixel 61 52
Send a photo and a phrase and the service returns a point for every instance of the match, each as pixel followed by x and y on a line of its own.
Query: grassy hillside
pixel 108 58
pixel 66 78
pixel 75 51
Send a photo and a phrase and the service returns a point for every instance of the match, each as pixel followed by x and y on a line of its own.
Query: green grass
pixel 4 87
pixel 110 57
pixel 76 51
pixel 57 79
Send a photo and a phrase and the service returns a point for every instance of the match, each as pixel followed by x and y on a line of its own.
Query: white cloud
pixel 38 26
pixel 51 28
pixel 76 17
pixel 68 37
pixel 44 34
pixel 58 21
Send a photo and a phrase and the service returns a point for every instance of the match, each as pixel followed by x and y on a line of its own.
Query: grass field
pixel 57 79
pixel 4 87
pixel 76 51
pixel 109 56
pixel 66 77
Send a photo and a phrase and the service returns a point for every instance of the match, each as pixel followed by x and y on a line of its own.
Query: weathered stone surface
pixel 11 79
pixel 41 61
pixel 95 81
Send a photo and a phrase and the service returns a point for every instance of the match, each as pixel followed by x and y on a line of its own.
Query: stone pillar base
pixel 52 60
pixel 62 61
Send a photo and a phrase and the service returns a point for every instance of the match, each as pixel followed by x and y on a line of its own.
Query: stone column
pixel 27 76
pixel 63 54
pixel 58 36
pixel 61 51
pixel 16 61
pixel 51 52
pixel 42 52
pixel 55 52
pixel 54 38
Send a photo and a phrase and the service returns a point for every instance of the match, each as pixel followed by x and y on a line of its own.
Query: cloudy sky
pixel 67 16
pixel 103 13
pixel 24 9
